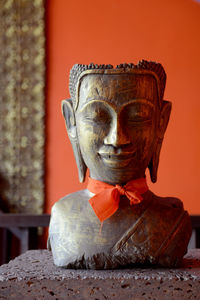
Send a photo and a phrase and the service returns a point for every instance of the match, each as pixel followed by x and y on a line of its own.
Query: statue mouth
pixel 116 161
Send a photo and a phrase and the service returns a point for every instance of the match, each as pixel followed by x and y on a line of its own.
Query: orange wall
pixel 117 31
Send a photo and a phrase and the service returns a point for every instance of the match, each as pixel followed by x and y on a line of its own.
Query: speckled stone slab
pixel 34 276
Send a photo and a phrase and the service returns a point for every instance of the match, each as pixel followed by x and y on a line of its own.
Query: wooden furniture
pixel 24 227
pixel 195 219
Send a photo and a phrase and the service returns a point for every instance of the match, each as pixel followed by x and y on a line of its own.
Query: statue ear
pixel 70 121
pixel 162 126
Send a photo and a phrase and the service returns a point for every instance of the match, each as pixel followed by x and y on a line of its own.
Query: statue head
pixel 116 119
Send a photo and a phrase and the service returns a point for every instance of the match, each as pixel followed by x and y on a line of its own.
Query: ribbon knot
pixel 106 200
pixel 121 189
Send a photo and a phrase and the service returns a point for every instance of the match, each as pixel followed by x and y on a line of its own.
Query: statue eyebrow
pixel 101 100
pixel 143 101
pixel 112 104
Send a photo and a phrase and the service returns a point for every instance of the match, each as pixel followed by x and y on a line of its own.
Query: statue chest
pixel 130 236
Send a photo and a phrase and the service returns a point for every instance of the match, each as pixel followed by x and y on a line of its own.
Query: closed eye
pixel 96 112
pixel 138 113
pixel 96 117
pixel 138 121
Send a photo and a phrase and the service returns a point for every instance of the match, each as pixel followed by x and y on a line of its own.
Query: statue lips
pixel 116 159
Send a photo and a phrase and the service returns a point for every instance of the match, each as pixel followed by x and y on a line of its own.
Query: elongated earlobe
pixel 68 113
pixel 162 126
pixel 154 162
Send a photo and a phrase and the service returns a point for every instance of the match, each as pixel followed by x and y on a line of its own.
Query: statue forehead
pixel 117 88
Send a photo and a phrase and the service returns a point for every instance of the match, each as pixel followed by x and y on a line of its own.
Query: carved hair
pixel 154 67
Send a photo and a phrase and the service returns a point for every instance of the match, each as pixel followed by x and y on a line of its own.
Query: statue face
pixel 116 121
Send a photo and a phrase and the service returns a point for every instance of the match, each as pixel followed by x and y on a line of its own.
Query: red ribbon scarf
pixel 106 200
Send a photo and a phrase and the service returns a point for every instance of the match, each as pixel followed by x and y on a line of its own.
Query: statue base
pixel 34 276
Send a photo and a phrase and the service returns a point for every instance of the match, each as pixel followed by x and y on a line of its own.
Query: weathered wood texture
pixel 116 120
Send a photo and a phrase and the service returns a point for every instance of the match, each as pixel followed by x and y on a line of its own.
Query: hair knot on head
pixel 78 69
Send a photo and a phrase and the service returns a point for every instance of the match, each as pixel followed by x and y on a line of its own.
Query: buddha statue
pixel 116 120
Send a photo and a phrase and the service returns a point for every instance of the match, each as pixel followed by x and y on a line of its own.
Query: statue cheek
pixel 143 139
pixel 88 140
pixel 141 133
pixel 92 134
pixel 148 144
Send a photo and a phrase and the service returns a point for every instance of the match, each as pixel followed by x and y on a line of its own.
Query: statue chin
pixel 116 120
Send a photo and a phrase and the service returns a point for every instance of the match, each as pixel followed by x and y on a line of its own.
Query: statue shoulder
pixel 69 208
pixel 168 202
pixel 71 201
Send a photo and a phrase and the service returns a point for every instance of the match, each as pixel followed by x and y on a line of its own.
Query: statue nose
pixel 116 135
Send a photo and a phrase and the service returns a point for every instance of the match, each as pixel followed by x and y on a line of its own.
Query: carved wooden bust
pixel 116 120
